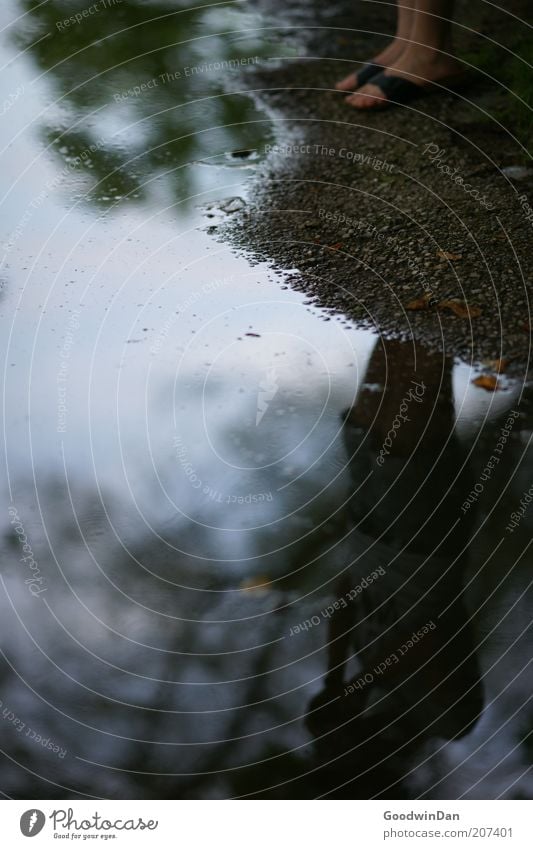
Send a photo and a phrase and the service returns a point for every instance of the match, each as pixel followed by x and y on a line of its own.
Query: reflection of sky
pixel 161 352
pixel 79 98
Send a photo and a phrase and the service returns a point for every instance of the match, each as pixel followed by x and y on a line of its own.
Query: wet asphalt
pixel 415 221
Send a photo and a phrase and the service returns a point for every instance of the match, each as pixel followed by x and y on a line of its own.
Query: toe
pixel 347 84
pixel 367 97
pixel 353 100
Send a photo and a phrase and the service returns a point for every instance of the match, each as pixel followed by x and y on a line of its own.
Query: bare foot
pixel 387 56
pixel 419 65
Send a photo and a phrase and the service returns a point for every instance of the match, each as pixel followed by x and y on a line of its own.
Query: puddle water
pixel 209 481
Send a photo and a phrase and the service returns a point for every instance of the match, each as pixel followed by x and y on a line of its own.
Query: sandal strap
pixel 397 89
pixel 369 70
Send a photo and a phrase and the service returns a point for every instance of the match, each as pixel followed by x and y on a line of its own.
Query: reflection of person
pixel 418 675
pixel 419 56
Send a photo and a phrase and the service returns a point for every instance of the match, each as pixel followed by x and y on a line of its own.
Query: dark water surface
pixel 236 511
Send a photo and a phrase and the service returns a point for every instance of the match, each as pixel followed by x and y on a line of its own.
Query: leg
pixel 428 56
pixel 393 50
pixel 339 638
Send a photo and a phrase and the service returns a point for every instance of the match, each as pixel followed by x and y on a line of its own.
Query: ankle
pixel 393 48
pixel 402 38
pixel 427 55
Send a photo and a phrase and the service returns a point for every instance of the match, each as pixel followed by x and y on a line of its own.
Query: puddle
pixel 191 453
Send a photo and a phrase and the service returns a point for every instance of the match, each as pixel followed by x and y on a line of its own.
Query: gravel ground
pixel 367 211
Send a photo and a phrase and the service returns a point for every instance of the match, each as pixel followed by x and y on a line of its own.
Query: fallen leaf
pixel 334 247
pixel 487 381
pixel 419 303
pixel 526 327
pixel 460 308
pixel 259 583
pixel 443 255
pixel 256 335
pixel 498 365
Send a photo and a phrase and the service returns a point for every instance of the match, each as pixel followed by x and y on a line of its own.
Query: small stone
pixel 518 172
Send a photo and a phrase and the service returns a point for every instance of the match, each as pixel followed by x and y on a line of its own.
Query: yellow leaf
pixel 498 365
pixel 460 308
pixel 487 381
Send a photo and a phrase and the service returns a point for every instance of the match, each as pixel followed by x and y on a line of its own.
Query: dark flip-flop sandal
pixel 369 70
pixel 398 91
pixel 365 74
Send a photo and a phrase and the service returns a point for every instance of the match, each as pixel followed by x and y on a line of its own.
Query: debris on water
pixel 234 204
pixel 245 158
pixel 243 154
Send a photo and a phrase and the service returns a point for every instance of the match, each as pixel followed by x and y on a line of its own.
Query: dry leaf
pixel 487 381
pixel 419 303
pixel 443 255
pixel 334 247
pixel 460 308
pixel 255 335
pixel 498 365
pixel 257 584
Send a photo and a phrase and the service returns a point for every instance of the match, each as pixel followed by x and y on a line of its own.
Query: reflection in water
pixel 229 469
pixel 143 91
pixel 402 604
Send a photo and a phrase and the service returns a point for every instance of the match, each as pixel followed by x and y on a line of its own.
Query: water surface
pixel 191 458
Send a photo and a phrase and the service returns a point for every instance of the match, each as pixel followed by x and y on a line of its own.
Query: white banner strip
pixel 268 824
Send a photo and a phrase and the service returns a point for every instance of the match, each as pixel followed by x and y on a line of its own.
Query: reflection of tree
pixel 202 626
pixel 191 646
pixel 92 64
